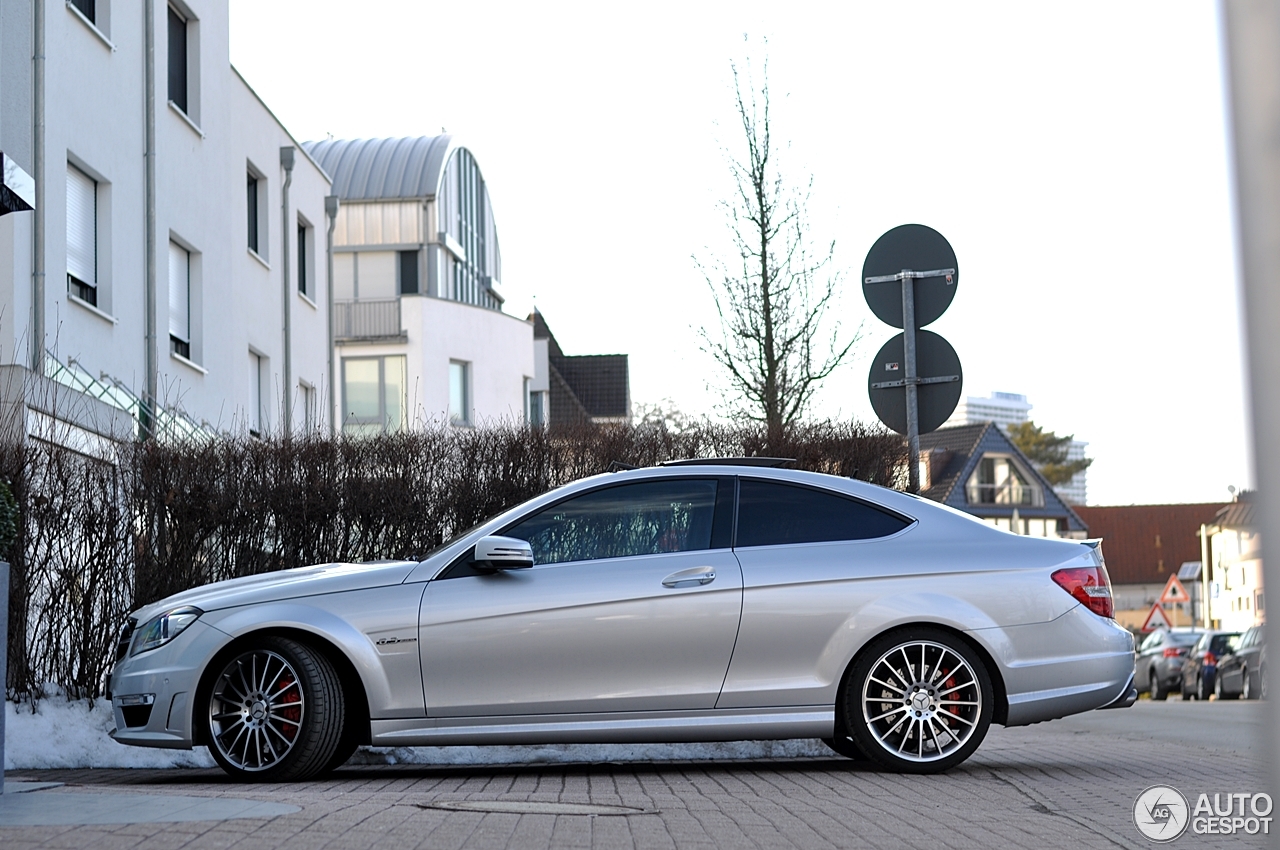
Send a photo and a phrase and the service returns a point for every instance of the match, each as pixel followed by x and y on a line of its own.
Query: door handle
pixel 690 577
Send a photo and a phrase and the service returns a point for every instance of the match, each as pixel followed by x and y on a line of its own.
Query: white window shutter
pixel 82 226
pixel 179 292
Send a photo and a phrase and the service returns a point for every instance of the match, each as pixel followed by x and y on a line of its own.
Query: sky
pixel 1075 155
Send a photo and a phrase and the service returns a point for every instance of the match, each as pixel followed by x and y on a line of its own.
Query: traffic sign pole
pixel 909 355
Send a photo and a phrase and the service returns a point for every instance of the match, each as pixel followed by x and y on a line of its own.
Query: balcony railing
pixel 367 319
pixel 1004 494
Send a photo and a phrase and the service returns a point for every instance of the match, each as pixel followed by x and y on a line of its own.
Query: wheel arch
pixel 1000 708
pixel 356 699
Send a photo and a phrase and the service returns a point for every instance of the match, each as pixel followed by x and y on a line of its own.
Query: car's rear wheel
pixel 1202 689
pixel 1156 691
pixel 275 712
pixel 918 701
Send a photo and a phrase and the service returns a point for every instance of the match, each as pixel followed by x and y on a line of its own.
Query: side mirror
pixel 503 553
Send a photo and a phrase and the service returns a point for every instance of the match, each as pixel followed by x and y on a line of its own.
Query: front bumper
pixel 153 694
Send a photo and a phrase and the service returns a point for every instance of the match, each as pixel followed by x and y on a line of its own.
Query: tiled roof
pixel 584 387
pixel 1238 514
pixel 954 447
pixel 1143 544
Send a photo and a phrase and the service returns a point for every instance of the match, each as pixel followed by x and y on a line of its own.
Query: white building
pixel 1005 409
pixel 163 261
pixel 418 318
pixel 1234 550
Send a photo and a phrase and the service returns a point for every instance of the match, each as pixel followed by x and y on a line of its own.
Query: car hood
pixel 285 584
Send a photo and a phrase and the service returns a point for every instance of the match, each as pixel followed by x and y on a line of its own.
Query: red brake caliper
pixel 292 709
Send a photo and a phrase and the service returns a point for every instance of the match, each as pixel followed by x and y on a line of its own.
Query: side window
pixel 1153 640
pixel 771 514
pixel 647 518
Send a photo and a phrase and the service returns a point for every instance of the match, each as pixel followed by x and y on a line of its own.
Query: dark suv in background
pixel 1158 667
pixel 1199 671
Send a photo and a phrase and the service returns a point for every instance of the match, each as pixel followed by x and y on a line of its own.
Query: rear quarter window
pixel 773 514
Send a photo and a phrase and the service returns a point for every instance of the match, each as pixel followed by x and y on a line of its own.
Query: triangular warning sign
pixel 1174 591
pixel 1156 619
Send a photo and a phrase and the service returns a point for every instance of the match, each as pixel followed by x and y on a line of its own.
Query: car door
pixel 795 544
pixel 1229 667
pixel 633 604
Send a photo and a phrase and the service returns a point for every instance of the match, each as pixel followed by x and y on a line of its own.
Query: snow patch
pixel 65 733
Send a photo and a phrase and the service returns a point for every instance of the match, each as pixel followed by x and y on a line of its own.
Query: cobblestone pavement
pixel 1066 784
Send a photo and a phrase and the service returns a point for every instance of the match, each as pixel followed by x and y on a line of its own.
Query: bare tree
pixel 772 299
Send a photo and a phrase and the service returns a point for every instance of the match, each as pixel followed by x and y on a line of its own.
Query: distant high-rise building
pixel 1005 409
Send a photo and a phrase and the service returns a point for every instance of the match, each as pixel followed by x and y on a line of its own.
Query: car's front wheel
pixel 275 712
pixel 918 700
pixel 1246 687
pixel 1219 691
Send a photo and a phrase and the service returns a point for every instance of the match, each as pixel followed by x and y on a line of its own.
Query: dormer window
pixel 1000 480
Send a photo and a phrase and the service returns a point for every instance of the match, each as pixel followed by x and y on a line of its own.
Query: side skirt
pixel 641 727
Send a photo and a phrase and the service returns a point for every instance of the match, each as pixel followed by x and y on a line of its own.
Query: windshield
pixel 1183 638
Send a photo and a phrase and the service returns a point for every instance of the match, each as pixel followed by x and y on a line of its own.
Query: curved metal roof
pixel 379 169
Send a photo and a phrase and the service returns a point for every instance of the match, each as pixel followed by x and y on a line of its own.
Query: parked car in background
pixel 1243 673
pixel 1199 671
pixel 713 600
pixel 1158 668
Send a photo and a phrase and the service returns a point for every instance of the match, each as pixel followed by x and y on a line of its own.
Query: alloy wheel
pixel 256 710
pixel 921 701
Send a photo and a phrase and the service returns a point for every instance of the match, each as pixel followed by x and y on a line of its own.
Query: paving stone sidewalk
pixel 1068 784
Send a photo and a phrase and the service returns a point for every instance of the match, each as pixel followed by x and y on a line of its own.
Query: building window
pixel 408 272
pixel 459 393
pixel 304 267
pixel 535 409
pixel 374 395
pixel 257 415
pixel 179 300
pixel 467 219
pixel 251 209
pixel 82 235
pixel 309 418
pixel 178 78
pixel 999 481
pixel 88 8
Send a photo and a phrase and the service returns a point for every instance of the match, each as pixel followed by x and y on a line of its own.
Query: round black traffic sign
pixel 935 358
pixel 918 248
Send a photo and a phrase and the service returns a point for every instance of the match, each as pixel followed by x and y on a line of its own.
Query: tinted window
pixel 770 514
pixel 647 518
pixel 1183 638
pixel 1220 643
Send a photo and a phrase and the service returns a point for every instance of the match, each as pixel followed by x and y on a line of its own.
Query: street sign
pixel 1156 619
pixel 909 279
pixel 939 378
pixel 1174 592
pixel 927 254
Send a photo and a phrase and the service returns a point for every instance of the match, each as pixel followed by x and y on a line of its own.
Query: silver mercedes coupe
pixel 717 600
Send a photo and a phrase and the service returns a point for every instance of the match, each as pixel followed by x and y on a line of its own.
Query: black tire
pixel 1262 682
pixel 1219 691
pixel 1186 694
pixel 1157 691
pixel 1203 691
pixel 274 712
pixel 927 678
pixel 1246 689
pixel 346 749
pixel 845 746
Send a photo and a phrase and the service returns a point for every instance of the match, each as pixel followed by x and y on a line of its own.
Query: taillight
pixel 1210 660
pixel 1090 585
pixel 1173 651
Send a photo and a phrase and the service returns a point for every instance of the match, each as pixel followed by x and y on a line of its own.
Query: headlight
pixel 160 630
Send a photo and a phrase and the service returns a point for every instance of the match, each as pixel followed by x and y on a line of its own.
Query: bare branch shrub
pixel 99 538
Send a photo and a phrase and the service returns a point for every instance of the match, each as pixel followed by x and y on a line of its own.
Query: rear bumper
pixel 1126 699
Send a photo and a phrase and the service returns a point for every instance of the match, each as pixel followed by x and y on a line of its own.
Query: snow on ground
pixel 68 734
